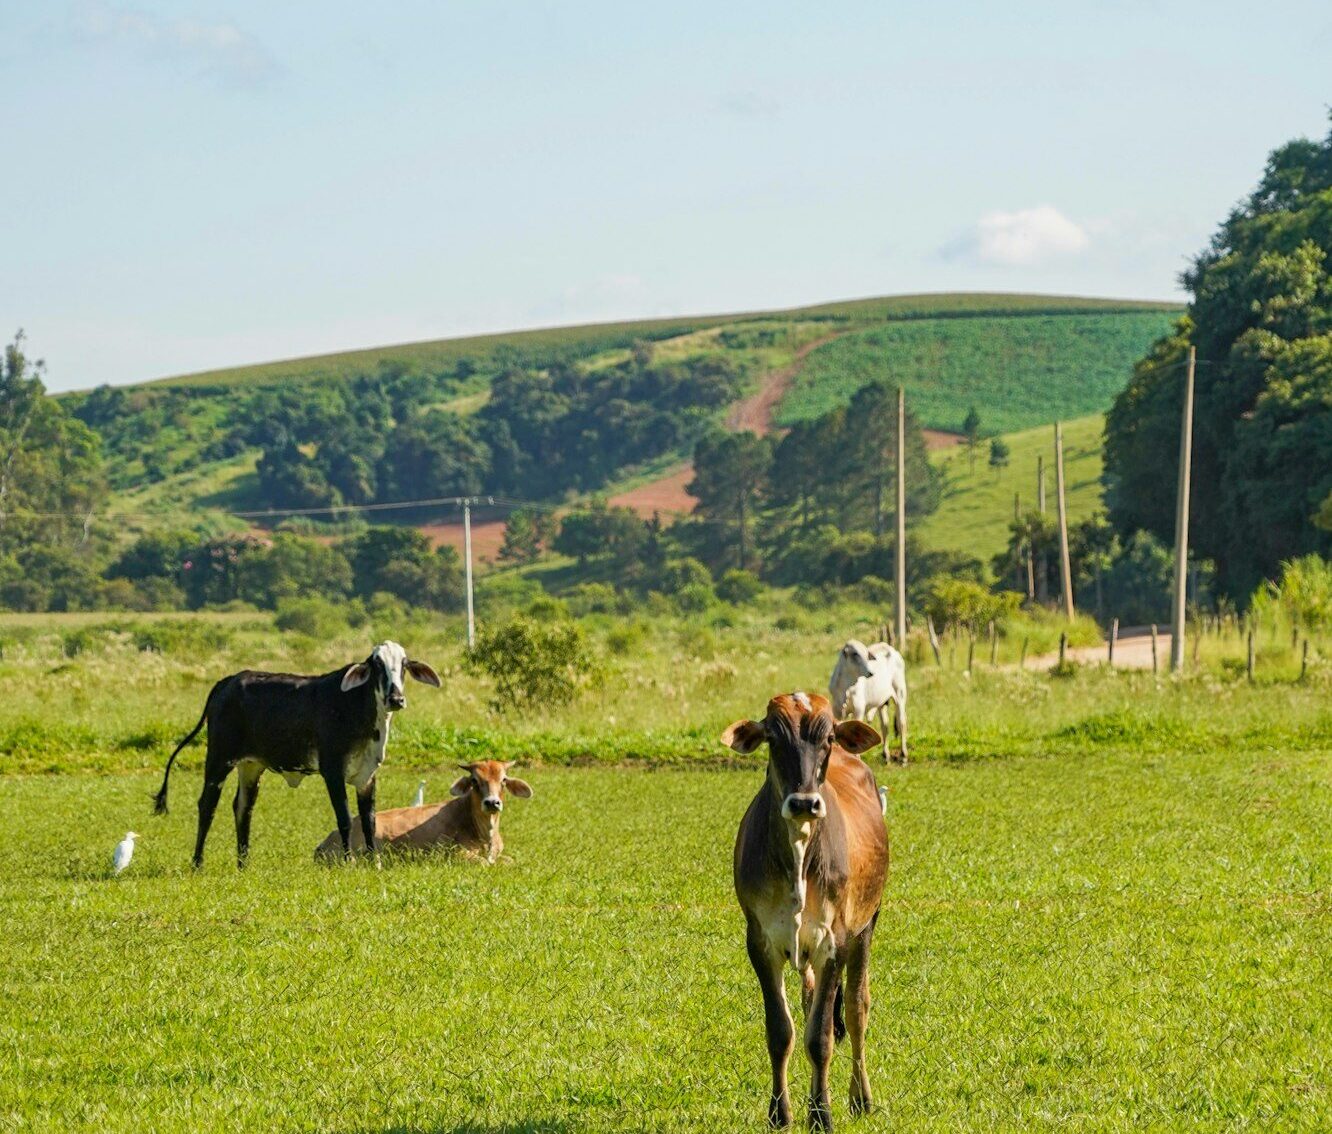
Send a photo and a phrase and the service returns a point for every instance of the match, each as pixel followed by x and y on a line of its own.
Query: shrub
pixel 314 617
pixel 679 574
pixel 695 598
pixel 968 603
pixel 547 608
pixel 532 663
pixel 595 598
pixel 739 587
pixel 626 637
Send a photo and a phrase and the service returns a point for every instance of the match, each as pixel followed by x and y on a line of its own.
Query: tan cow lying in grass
pixel 468 822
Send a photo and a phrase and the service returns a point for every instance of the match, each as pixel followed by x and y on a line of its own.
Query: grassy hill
pixel 978 501
pixel 1017 370
pixel 538 347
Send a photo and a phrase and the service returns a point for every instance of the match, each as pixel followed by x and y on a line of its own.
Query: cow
pixel 336 725
pixel 810 861
pixel 863 681
pixel 469 822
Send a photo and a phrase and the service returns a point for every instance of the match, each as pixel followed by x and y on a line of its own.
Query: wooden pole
pixel 1304 659
pixel 1063 648
pixel 971 648
pixel 934 641
pixel 1156 667
pixel 467 554
pixel 1182 521
pixel 1114 637
pixel 994 646
pixel 1065 571
pixel 901 518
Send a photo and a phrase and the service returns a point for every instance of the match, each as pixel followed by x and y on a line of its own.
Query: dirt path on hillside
pixel 1133 650
pixel 755 413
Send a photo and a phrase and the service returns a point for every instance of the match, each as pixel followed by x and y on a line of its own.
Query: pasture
pixel 1108 905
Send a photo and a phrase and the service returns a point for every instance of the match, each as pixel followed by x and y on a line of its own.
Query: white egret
pixel 124 852
pixel 420 794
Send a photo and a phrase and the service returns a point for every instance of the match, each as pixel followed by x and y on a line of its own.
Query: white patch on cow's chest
pixel 363 764
pixel 795 927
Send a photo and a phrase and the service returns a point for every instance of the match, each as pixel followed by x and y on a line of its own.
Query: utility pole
pixel 1182 521
pixel 900 557
pixel 1065 572
pixel 467 555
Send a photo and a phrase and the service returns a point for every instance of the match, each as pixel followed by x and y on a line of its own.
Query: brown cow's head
pixel 487 781
pixel 800 731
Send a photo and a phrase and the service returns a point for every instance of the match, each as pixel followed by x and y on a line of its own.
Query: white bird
pixel 124 852
pixel 883 800
pixel 420 794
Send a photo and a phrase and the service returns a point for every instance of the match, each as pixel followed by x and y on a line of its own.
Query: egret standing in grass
pixel 124 852
pixel 420 794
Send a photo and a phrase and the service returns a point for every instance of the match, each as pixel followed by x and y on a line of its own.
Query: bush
pixel 679 574
pixel 969 604
pixel 532 663
pixel 547 608
pixel 739 587
pixel 595 598
pixel 626 637
pixel 695 598
pixel 314 617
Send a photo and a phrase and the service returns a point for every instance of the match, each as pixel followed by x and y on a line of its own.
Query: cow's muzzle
pixel 493 803
pixel 396 701
pixel 804 805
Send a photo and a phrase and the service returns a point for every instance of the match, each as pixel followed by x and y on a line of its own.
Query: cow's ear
pixel 423 673
pixel 744 736
pixel 855 736
pixel 357 674
pixel 462 785
pixel 521 788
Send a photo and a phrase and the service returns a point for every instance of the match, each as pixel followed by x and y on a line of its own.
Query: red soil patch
pixel 487 537
pixel 666 496
pixel 941 439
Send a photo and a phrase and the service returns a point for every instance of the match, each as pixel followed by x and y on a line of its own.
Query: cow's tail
pixel 839 1017
pixel 160 799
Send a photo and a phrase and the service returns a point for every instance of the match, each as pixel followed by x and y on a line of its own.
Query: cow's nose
pixel 490 803
pixel 803 803
pixel 397 701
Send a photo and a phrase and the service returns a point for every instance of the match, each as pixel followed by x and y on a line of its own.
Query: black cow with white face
pixel 335 725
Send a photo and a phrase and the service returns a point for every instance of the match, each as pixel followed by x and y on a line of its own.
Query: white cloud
pixel 1022 237
pixel 221 50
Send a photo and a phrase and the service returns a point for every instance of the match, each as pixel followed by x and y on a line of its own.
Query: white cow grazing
pixel 864 680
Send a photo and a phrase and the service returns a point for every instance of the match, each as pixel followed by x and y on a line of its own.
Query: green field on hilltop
pixel 583 341
pixel 977 503
pixel 1018 371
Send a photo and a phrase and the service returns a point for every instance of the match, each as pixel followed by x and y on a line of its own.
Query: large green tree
pixel 1261 320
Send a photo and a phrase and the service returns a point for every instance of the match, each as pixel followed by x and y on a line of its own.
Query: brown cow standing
pixel 810 861
pixel 468 822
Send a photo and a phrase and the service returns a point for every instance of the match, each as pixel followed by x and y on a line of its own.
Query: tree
pixel 400 562
pixel 1260 317
pixel 524 533
pixel 730 470
pixel 999 454
pixel 600 532
pixel 971 427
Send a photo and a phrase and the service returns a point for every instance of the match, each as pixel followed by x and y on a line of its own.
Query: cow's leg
pixel 858 1006
pixel 337 795
pixel 365 807
pixel 819 1041
pixel 900 722
pixel 776 1020
pixel 216 770
pixel 883 729
pixel 247 791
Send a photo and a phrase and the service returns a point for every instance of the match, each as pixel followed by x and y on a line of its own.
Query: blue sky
pixel 199 185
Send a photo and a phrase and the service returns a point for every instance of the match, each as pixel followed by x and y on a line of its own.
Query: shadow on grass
pixel 527 1126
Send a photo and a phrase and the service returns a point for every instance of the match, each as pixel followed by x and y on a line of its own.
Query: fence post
pixel 1022 662
pixel 994 645
pixel 1063 648
pixel 934 641
pixel 1155 663
pixel 1304 659
pixel 1249 666
pixel 971 649
pixel 1114 637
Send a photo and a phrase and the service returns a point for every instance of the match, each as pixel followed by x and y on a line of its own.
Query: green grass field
pixel 977 503
pixel 1018 371
pixel 1108 906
